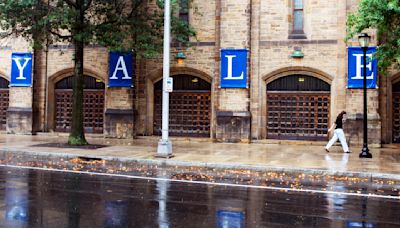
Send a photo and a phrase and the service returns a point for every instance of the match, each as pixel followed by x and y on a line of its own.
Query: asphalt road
pixel 43 198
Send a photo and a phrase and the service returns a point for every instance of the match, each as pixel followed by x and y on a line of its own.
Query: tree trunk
pixel 77 134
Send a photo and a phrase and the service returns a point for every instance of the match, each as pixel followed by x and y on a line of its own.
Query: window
pixel 297 31
pixel 184 10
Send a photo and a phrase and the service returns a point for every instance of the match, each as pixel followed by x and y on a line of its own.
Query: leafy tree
pixel 121 25
pixel 384 16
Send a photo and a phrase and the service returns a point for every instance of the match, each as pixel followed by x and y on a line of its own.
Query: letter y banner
pixel 21 70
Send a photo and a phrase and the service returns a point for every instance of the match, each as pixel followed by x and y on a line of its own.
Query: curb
pixel 209 165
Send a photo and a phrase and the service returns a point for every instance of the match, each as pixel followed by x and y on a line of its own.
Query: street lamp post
pixel 364 39
pixel 164 148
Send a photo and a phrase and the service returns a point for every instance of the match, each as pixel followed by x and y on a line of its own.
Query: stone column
pixel 354 98
pixel 119 113
pixel 256 81
pixel 233 115
pixel 19 113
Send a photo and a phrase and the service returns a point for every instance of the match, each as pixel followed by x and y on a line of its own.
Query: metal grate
pixel 298 115
pixel 4 94
pixel 93 110
pixel 396 117
pixel 189 113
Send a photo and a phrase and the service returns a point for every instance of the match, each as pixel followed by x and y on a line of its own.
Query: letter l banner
pixel 233 68
pixel 21 70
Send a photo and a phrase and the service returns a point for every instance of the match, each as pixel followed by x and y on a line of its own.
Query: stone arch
pixel 283 72
pixel 297 70
pixel 156 76
pixel 58 76
pixel 4 75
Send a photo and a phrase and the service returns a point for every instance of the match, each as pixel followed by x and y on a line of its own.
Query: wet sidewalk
pixel 296 157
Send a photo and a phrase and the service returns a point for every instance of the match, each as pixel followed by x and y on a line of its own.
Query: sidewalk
pixel 258 156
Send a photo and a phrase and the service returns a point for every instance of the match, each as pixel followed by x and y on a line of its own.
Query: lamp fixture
pixel 364 39
pixel 180 57
pixel 297 54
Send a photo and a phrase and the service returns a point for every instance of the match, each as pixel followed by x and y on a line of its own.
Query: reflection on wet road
pixel 37 198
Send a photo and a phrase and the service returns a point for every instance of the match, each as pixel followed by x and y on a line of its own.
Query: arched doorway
pixel 4 93
pixel 93 105
pixel 298 108
pixel 396 112
pixel 189 107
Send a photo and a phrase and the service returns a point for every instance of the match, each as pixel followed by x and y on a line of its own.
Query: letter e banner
pixel 356 68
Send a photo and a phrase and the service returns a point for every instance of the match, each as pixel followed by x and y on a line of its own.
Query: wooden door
pixel 189 107
pixel 298 108
pixel 396 117
pixel 4 94
pixel 93 105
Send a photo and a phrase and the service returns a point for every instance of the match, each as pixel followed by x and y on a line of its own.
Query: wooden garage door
pixel 189 107
pixel 4 93
pixel 298 108
pixel 93 105
pixel 396 113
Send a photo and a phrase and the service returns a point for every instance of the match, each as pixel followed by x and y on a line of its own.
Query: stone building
pixel 296 80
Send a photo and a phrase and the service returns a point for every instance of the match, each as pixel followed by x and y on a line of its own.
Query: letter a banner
pixel 233 68
pixel 356 68
pixel 21 70
pixel 120 69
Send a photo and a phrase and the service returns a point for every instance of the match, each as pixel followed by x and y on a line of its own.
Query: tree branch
pixel 87 5
pixel 60 36
pixel 70 3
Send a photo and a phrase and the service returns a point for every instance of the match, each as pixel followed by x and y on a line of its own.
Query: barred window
pixel 184 10
pixel 297 30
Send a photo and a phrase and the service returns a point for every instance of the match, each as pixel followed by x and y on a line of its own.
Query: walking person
pixel 338 133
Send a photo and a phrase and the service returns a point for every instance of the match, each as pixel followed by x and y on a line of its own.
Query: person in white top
pixel 338 133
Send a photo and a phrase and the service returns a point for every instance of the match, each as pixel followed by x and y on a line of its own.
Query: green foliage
pixel 119 24
pixel 384 16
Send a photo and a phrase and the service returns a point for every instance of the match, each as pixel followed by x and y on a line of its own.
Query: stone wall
pixel 238 115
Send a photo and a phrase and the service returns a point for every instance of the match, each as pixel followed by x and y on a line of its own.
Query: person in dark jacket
pixel 338 133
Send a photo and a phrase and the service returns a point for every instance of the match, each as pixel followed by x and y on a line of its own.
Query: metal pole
pixel 164 145
pixel 365 151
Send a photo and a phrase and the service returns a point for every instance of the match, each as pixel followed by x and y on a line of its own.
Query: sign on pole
pixel 233 68
pixel 169 85
pixel 21 70
pixel 356 65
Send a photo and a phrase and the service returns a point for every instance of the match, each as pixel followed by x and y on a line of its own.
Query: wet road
pixel 39 198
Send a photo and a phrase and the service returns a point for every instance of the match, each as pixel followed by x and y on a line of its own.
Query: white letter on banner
pixel 230 76
pixel 121 62
pixel 359 66
pixel 21 68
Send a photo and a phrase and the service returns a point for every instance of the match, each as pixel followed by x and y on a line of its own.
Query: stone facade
pixel 237 115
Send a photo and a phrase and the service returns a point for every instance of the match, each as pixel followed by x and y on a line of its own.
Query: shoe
pixel 327 150
pixel 348 152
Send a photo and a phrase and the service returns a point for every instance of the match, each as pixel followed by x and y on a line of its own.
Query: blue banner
pixel 233 68
pixel 234 219
pixel 356 68
pixel 120 70
pixel 21 69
